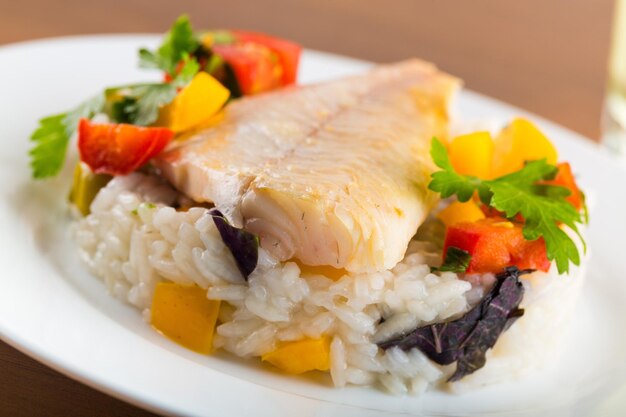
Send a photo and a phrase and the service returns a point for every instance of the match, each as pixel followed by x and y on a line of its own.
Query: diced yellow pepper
pixel 85 186
pixel 326 270
pixel 301 356
pixel 185 314
pixel 196 103
pixel 518 143
pixel 472 154
pixel 458 212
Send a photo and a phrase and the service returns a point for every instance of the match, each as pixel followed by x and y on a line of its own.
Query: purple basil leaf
pixel 243 245
pixel 467 339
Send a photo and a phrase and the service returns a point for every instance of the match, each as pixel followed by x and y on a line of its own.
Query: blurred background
pixel 547 56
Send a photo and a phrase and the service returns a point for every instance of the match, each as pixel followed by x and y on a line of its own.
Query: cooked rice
pixel 134 238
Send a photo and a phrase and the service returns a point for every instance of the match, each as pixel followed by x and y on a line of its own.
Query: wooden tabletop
pixel 548 57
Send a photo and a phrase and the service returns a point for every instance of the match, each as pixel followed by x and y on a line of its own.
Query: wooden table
pixel 546 56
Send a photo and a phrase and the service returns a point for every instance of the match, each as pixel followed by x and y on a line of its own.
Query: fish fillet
pixel 333 174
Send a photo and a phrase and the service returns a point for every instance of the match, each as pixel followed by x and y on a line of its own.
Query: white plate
pixel 53 310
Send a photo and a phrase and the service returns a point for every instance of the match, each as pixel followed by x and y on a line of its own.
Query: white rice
pixel 134 238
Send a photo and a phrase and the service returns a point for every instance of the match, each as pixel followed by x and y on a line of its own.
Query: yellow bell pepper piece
pixel 85 186
pixel 326 270
pixel 196 103
pixel 458 212
pixel 519 142
pixel 185 314
pixel 472 154
pixel 301 356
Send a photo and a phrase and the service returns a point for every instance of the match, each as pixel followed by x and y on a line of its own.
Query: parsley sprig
pixel 523 192
pixel 51 138
pixel 136 104
pixel 179 42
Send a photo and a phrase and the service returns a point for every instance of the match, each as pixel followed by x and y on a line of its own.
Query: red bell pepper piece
pixel 565 178
pixel 495 244
pixel 119 149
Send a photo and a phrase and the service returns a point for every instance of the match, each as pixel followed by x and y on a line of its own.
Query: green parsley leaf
pixel 51 138
pixel 543 206
pixel 448 182
pixel 178 42
pixel 139 104
pixel 457 260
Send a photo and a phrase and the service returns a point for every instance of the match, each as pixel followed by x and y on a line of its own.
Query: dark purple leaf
pixel 243 245
pixel 467 339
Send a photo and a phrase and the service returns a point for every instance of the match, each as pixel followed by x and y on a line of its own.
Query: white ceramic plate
pixel 53 310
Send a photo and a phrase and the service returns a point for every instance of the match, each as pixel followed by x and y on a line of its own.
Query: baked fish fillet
pixel 332 174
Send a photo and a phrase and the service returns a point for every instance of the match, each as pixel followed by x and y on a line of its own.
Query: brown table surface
pixel 545 56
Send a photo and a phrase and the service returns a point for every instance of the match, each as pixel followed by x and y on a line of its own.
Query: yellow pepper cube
pixel 519 142
pixel 301 356
pixel 472 154
pixel 458 212
pixel 85 186
pixel 202 98
pixel 184 314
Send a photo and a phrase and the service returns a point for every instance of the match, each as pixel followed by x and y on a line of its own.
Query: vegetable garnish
pixel 456 260
pixel 544 207
pixel 53 135
pixel 467 339
pixel 179 42
pixel 242 244
pixel 262 63
pixel 119 149
pixel 137 104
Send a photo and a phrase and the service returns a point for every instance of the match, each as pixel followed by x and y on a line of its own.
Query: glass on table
pixel 614 129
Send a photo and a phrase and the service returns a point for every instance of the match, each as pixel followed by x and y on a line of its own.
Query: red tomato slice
pixel 288 52
pixel 495 244
pixel 119 149
pixel 254 66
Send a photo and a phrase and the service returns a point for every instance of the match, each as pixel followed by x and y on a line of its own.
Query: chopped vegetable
pixel 202 98
pixel 85 187
pixel 288 52
pixel 495 244
pixel 52 136
pixel 185 314
pixel 519 143
pixel 325 270
pixel 243 245
pixel 542 206
pixel 119 149
pixel 467 339
pixel 256 68
pixel 458 212
pixel 565 178
pixel 301 356
pixel 472 154
pixel 140 104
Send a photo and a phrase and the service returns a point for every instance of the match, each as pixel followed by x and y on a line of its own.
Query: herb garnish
pixel 242 244
pixel 457 260
pixel 466 340
pixel 136 104
pixel 53 134
pixel 179 41
pixel 543 206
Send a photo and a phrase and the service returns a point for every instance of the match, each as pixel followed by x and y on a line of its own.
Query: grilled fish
pixel 333 174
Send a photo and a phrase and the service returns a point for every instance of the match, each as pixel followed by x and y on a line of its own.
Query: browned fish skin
pixel 331 174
